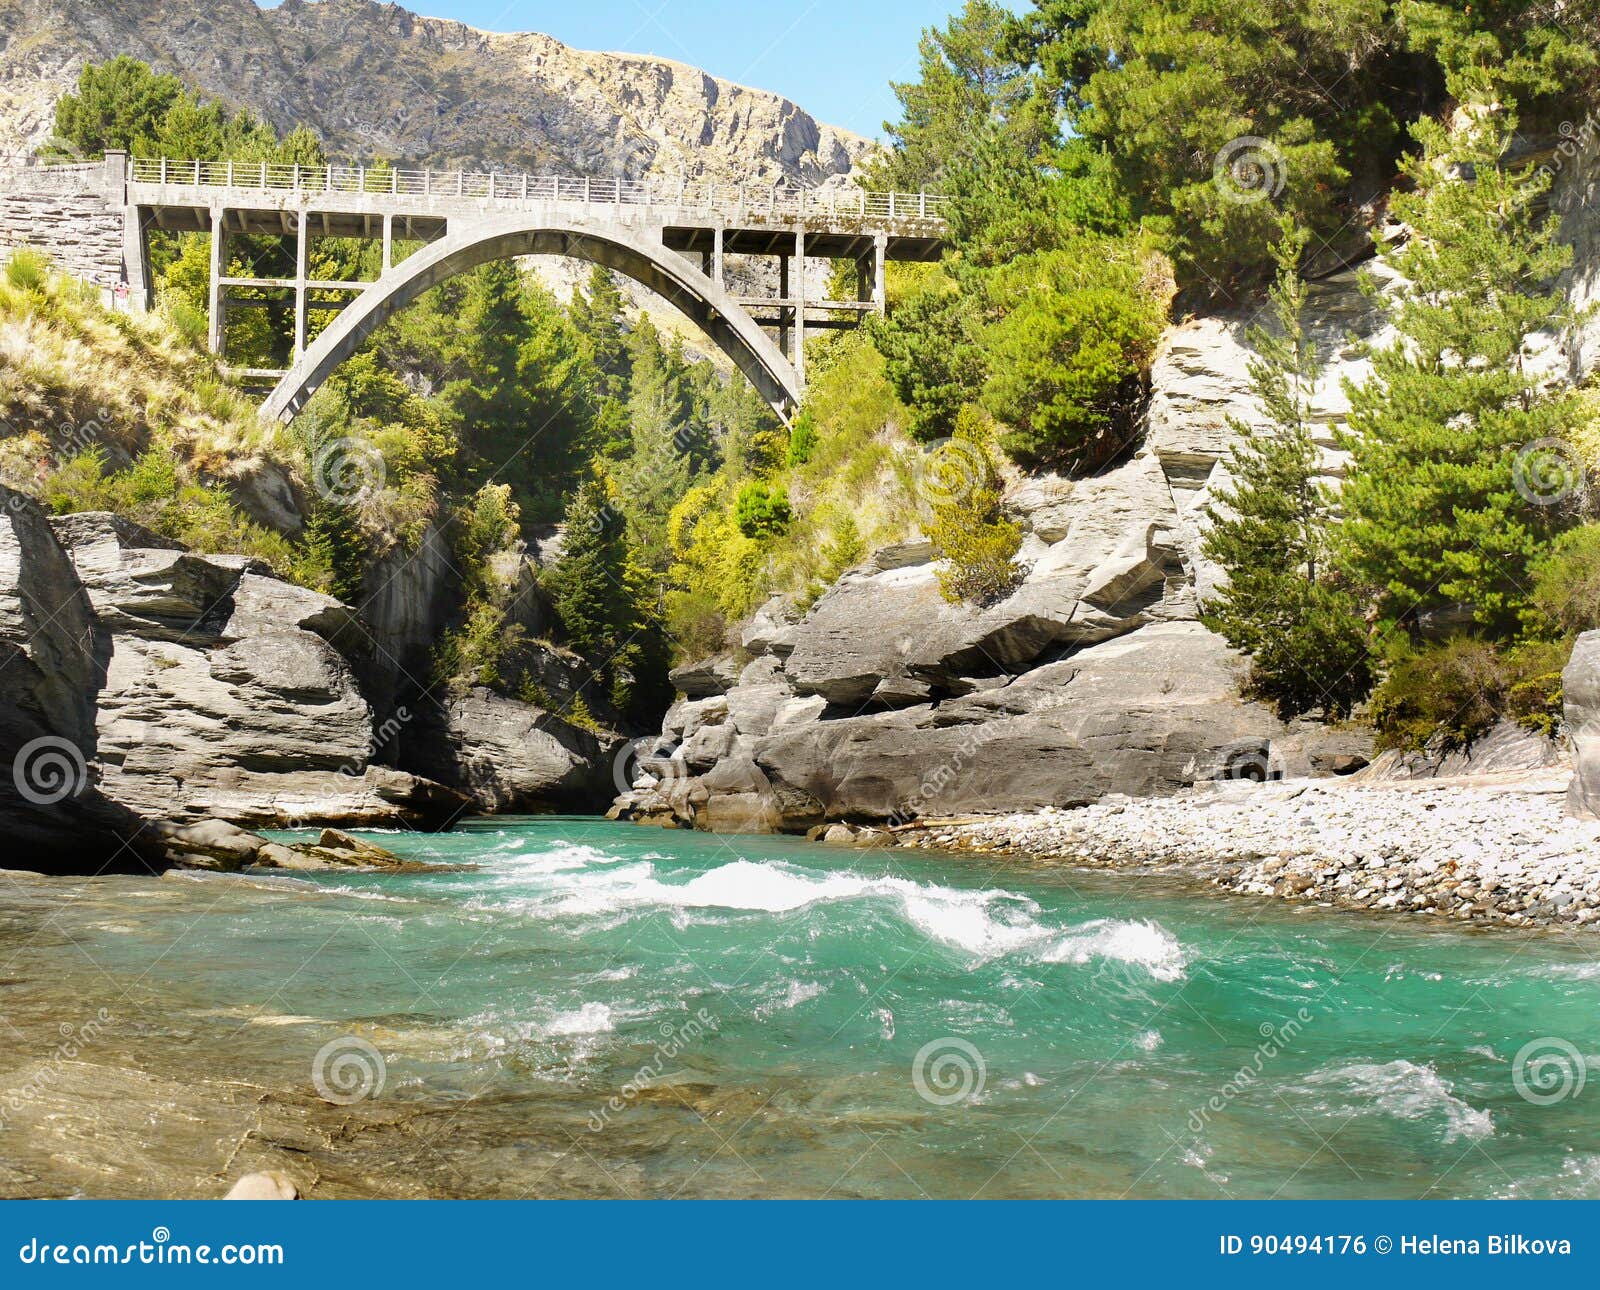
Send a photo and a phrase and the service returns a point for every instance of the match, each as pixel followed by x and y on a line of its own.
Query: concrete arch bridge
pixel 672 238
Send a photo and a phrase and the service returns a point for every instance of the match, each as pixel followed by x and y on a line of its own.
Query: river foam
pixel 572 882
pixel 1404 1090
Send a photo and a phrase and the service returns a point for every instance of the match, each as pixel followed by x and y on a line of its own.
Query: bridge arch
pixel 629 251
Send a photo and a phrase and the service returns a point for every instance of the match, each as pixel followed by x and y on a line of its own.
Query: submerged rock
pixel 263 1186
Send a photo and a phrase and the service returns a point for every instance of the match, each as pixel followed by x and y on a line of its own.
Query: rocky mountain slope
pixel 376 80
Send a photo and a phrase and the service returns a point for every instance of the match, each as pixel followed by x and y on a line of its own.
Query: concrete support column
pixel 783 305
pixel 219 294
pixel 716 257
pixel 880 278
pixel 116 179
pixel 136 258
pixel 301 273
pixel 800 308
pixel 388 242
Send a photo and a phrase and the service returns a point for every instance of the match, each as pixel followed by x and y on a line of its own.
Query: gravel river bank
pixel 1489 848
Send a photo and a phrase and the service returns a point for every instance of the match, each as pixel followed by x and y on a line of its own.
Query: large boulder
pixel 1581 686
pixel 53 656
pixel 225 695
pixel 513 756
pixel 1103 560
pixel 1146 714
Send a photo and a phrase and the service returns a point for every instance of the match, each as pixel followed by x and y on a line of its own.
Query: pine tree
pixel 607 602
pixel 598 318
pixel 657 472
pixel 590 582
pixel 1440 520
pixel 118 104
pixel 1269 529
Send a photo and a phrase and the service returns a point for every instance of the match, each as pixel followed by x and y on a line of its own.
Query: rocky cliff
pixel 375 80
pixel 154 697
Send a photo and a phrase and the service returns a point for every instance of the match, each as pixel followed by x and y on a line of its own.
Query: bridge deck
pixel 353 201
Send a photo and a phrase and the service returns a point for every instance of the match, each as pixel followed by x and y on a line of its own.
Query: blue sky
pixel 833 57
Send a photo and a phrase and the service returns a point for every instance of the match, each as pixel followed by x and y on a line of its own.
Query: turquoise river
pixel 603 1010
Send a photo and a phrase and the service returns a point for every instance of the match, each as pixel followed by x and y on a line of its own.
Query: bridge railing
pixel 722 199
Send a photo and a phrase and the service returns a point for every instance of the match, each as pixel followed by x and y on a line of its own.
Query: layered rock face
pixel 1581 689
pixel 225 694
pixel 510 756
pixel 53 657
pixel 156 699
pixel 375 80
pixel 887 703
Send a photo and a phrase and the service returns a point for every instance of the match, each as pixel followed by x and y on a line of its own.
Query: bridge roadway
pixel 674 238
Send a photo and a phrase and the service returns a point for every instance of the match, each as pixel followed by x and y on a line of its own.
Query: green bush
pixel 1443 695
pixel 1565 600
pixel 28 269
pixel 1446 695
pixel 763 510
pixel 969 530
pixel 1534 698
pixel 802 440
